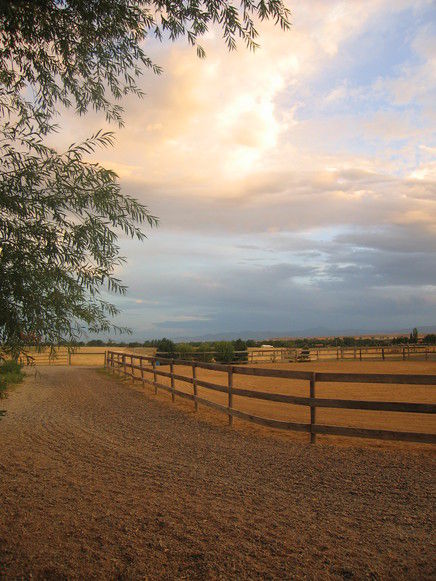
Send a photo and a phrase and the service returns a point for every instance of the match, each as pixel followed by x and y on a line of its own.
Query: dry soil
pixel 102 480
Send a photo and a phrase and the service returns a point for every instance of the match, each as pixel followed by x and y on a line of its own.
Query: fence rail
pixel 387 352
pixel 254 355
pixel 62 358
pixel 290 354
pixel 126 364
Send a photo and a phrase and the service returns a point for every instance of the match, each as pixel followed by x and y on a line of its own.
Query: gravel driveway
pixel 99 480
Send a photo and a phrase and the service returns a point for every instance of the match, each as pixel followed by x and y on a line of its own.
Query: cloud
pixel 295 186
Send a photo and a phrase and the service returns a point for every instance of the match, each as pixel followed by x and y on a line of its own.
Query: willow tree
pixel 60 215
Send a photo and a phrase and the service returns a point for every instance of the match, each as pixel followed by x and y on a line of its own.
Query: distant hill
pixel 311 332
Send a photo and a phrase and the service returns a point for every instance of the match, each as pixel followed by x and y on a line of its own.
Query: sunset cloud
pixel 295 186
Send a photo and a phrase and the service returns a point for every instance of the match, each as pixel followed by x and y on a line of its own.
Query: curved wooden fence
pixel 126 364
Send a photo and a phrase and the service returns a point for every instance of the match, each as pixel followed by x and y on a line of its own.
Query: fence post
pixel 194 384
pixel 230 386
pixel 173 395
pixel 141 364
pixel 154 376
pixel 69 357
pixel 124 366
pixel 105 359
pixel 312 409
pixel 360 354
pixel 383 353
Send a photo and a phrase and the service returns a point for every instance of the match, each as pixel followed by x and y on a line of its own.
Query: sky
pixel 295 186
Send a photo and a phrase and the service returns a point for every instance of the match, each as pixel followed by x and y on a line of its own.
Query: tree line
pixel 166 345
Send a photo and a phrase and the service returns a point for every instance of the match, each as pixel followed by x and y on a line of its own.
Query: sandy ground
pixel 99 480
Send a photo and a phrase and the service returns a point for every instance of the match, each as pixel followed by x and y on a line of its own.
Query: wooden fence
pixel 126 364
pixel 385 353
pixel 286 354
pixel 63 358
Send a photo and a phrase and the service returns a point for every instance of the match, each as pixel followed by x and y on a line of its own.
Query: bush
pixel 202 353
pixel 10 366
pixel 2 388
pixel 185 350
pixel 166 346
pixel 240 345
pixel 10 372
pixel 225 352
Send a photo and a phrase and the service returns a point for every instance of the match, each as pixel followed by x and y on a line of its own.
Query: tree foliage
pixel 166 346
pixel 90 53
pixel 185 350
pixel 225 351
pixel 58 222
pixel 413 338
pixel 60 214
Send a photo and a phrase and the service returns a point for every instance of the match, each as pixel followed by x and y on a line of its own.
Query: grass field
pixel 353 418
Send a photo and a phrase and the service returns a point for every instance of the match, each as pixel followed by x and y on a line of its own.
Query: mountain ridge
pixel 302 333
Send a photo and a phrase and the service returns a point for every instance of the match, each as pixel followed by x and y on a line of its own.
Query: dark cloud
pixel 350 287
pixel 397 239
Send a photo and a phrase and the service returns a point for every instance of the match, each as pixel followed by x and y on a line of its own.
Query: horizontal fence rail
pixel 61 358
pixel 126 364
pixel 252 355
pixel 291 354
pixel 368 353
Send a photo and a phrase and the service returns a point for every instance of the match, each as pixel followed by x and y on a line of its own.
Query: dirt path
pixel 98 480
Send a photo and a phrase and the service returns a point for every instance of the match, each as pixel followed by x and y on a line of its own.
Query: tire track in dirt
pixel 99 480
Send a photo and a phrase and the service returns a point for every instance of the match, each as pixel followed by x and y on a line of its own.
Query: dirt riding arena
pixel 102 479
